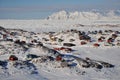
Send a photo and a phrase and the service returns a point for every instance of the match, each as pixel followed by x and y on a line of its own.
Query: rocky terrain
pixel 51 55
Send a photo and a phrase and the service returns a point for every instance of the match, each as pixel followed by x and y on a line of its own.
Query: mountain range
pixel 86 15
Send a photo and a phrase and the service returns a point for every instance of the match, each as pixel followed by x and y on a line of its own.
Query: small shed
pixel 13 58
pixel 83 43
pixel 96 45
pixel 58 58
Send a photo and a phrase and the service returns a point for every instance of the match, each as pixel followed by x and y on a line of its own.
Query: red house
pixel 13 58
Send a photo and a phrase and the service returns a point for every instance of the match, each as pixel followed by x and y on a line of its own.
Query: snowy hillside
pixel 90 15
pixel 68 55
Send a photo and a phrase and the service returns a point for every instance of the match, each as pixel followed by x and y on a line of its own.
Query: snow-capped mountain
pixel 85 15
pixel 59 15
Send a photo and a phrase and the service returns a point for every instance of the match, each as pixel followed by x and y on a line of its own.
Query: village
pixel 15 41
pixel 59 50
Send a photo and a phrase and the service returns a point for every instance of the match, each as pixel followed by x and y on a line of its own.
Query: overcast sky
pixel 35 9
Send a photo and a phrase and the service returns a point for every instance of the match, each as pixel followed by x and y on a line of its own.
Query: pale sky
pixel 36 9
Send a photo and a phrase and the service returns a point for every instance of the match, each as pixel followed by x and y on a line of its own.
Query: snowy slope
pixel 51 70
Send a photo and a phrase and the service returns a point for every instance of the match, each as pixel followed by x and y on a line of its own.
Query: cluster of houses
pixel 14 41
pixel 66 38
pixel 73 37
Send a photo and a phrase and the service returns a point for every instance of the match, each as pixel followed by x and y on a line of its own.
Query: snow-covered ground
pixel 51 70
pixel 67 20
